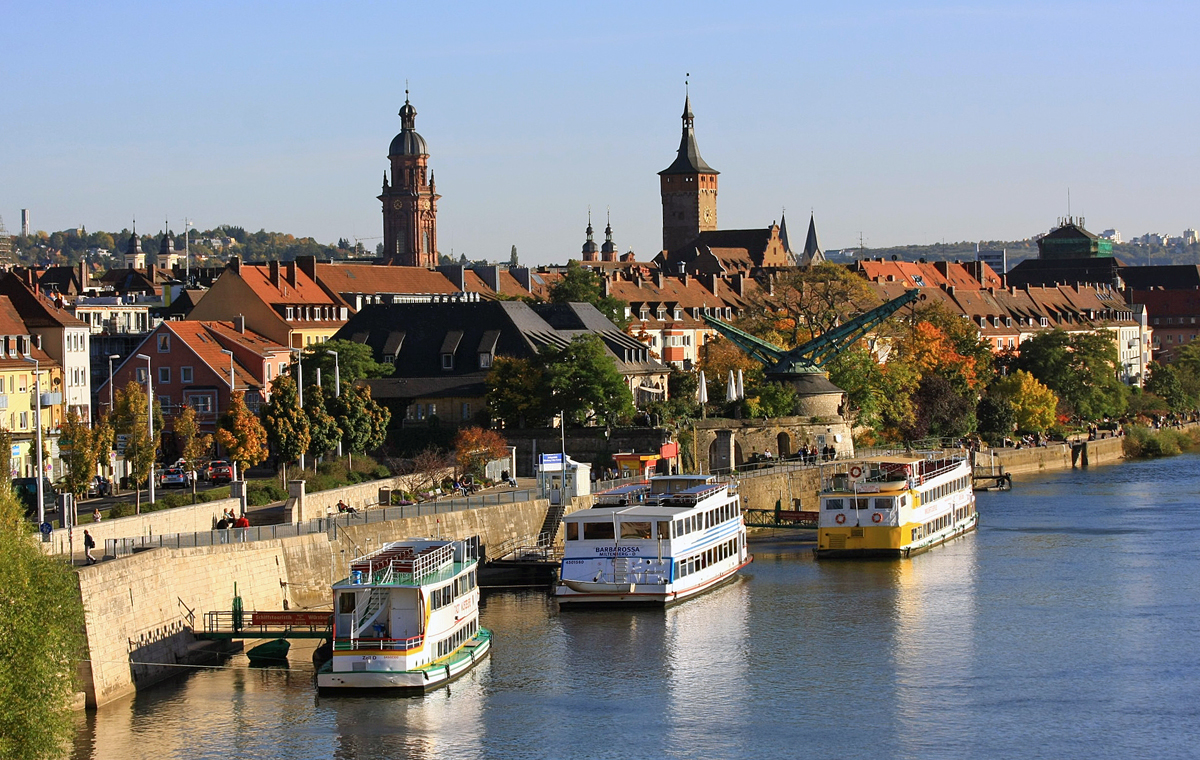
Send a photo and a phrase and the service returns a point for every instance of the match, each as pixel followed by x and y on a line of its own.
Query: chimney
pixel 683 278
pixel 290 274
pixel 456 274
pixel 239 324
pixel 521 274
pixel 235 263
pixel 658 280
pixel 83 276
pixel 490 276
pixel 943 267
pixel 273 266
pixel 308 265
pixel 605 287
pixel 735 282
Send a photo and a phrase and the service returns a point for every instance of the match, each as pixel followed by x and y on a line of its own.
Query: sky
pixel 893 122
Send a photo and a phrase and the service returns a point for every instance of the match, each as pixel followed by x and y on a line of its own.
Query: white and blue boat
pixel 657 542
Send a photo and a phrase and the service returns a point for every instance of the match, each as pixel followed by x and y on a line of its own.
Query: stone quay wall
pixel 1057 456
pixel 142 609
pixel 724 443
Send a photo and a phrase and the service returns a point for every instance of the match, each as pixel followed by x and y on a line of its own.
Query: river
pixel 1065 627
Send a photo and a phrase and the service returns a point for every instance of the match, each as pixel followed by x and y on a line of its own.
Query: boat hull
pixel 904 551
pixel 587 593
pixel 417 681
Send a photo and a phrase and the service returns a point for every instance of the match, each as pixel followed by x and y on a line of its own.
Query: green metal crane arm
pixel 816 353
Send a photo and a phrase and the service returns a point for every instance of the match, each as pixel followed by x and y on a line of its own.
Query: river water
pixel 1065 627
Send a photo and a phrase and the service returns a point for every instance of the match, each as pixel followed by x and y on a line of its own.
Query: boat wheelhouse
pixel 406 618
pixel 656 542
pixel 894 506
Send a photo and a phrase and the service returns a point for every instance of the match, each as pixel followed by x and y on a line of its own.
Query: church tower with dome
pixel 410 199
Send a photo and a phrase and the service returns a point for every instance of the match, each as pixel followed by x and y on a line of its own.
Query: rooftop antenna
pixel 1068 204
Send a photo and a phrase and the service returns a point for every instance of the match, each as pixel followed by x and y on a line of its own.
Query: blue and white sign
pixel 551 458
pixel 46 528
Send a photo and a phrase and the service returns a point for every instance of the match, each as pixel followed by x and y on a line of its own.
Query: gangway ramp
pixel 264 624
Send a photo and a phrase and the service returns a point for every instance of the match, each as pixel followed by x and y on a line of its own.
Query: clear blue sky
pixel 909 123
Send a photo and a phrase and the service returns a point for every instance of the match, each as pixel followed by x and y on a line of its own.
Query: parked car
pixel 220 471
pixel 173 478
pixel 99 487
pixel 26 489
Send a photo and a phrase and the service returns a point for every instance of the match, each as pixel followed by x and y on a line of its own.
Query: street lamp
pixel 150 422
pixel 337 385
pixel 300 388
pixel 37 421
pixel 110 381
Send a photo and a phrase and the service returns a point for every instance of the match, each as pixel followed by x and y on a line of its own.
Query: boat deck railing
pixel 345 644
pixel 250 624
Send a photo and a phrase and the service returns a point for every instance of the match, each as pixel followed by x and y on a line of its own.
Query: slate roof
pixel 416 335
pixel 1069 271
pixel 688 160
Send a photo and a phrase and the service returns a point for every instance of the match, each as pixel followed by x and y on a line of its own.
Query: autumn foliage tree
pixel 83 446
pixel 193 446
pixel 474 447
pixel 1033 403
pixel 242 434
pixel 129 420
pixel 285 422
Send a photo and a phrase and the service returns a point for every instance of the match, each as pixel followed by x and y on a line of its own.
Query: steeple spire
pixel 688 160
pixel 608 251
pixel 812 249
pixel 589 247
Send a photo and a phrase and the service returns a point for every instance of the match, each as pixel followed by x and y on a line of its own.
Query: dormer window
pixel 1043 322
pixel 678 313
pixel 644 314
pixel 291 313
pixel 447 361
pixel 485 361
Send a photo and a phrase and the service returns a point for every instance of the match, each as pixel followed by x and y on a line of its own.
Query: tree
pixel 285 422
pixel 1032 402
pixel 579 284
pixel 584 382
pixel 1164 382
pixel 322 426
pixel 242 435
pixel 720 357
pixel 41 640
pixel 512 257
pixel 939 410
pixel 193 446
pixel 363 422
pixel 129 420
pixel 474 447
pixel 355 361
pixel 516 392
pixel 995 418
pixel 80 444
pixel 1081 368
pixel 803 303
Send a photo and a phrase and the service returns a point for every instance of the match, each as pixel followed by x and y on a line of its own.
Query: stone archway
pixel 783 444
pixel 737 454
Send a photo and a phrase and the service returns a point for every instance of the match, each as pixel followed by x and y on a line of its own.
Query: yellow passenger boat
pixel 894 506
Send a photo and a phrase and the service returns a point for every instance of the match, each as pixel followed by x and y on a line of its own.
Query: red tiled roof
pixel 371 278
pixel 304 292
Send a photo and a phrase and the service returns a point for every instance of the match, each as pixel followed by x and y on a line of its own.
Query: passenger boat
pixel 407 618
pixel 655 542
pixel 894 506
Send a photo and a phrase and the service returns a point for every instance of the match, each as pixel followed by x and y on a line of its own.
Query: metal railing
pixel 119 547
pixel 343 644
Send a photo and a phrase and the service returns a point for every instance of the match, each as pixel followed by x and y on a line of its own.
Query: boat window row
pixel 863 502
pixel 456 639
pixel 709 556
pixel 705 520
pixel 945 521
pixel 464 583
pixel 958 484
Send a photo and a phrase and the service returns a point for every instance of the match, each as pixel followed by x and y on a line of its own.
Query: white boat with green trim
pixel 406 618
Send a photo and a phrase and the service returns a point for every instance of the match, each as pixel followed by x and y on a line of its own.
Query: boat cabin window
pixel 861 503
pixel 664 529
pixel 834 503
pixel 885 502
pixel 346 603
pixel 572 531
pixel 635 530
pixel 597 530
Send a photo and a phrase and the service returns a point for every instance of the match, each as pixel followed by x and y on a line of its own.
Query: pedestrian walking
pixel 89 544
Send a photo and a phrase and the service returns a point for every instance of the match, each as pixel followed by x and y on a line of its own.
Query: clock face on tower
pixel 397 204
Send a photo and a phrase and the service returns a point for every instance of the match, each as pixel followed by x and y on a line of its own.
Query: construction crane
pixel 811 357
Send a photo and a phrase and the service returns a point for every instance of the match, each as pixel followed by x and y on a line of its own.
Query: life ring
pixel 877 517
pixel 856 471
pixel 840 519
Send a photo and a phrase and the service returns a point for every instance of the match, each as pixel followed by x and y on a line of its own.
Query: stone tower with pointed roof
pixel 410 199
pixel 590 249
pixel 689 190
pixel 608 251
pixel 812 248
